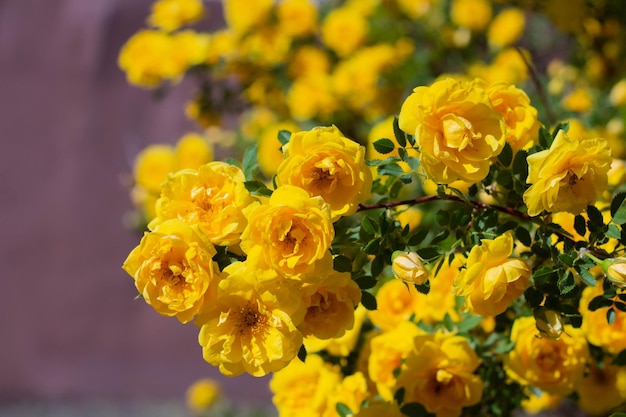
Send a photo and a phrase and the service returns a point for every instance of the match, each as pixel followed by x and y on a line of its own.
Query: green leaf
pixel 343 410
pixel 505 178
pixel 258 188
pixel 284 136
pixel 618 208
pixel 580 225
pixel 429 252
pixel 469 323
pixel 596 221
pixel 599 302
pixel 533 296
pixel 523 235
pixel 613 232
pixel 506 156
pixel 618 415
pixel 342 264
pixel 138 297
pixel 414 410
pixel 369 301
pixel 302 353
pixel 399 395
pixel 249 162
pixel 520 165
pixel 566 283
pixel 398 133
pixel 392 169
pixel 620 358
pixel 372 246
pixel 587 277
pixel 423 288
pixel 384 146
pixel 377 266
pixel 366 282
pixel 610 316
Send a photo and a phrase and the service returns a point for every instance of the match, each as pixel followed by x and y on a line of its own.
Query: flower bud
pixel 616 272
pixel 549 323
pixel 408 267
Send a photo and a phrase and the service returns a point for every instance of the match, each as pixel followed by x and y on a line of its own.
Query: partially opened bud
pixel 616 272
pixel 408 267
pixel 549 323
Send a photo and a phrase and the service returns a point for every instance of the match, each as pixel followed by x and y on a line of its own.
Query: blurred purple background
pixel 70 125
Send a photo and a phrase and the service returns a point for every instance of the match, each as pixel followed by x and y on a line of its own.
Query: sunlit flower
pixel 202 395
pixel 409 267
pixel 169 15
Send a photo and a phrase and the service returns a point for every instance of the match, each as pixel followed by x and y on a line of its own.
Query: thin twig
pixel 542 94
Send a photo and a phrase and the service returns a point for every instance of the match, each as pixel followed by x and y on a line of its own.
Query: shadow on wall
pixel 70 127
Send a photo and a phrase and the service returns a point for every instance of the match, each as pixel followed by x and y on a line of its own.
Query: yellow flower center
pixel 249 320
pixel 548 357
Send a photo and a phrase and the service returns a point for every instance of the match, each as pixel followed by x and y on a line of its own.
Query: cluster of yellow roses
pixel 254 312
pixel 489 300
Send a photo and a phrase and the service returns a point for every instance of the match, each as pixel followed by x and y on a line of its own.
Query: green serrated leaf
pixel 302 353
pixel 377 266
pixel 506 156
pixel 618 211
pixel 398 133
pixel 533 296
pixel 366 282
pixel 610 316
pixel 596 220
pixel 372 246
pixel 249 162
pixel 620 358
pixel 257 187
pixel 392 169
pixel 284 136
pixel 566 283
pixel 523 235
pixel 429 252
pixel 413 410
pixel 398 396
pixel 384 146
pixel 520 165
pixel 613 232
pixel 342 263
pixel 423 288
pixel 469 323
pixel 343 410
pixel 369 301
pixel 587 277
pixel 580 225
pixel 599 302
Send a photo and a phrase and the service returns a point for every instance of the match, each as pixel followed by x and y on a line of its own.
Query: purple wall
pixel 70 124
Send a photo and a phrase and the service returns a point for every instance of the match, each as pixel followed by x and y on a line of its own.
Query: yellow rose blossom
pixel 325 163
pixel 520 117
pixel 491 280
pixel 243 15
pixel 471 14
pixel 191 47
pixel 269 151
pixel 291 232
pixel 202 395
pixel 598 331
pixel 409 267
pixel 247 328
pixel 340 346
pixel 535 404
pixel 456 128
pixel 267 46
pixel 193 150
pixel 174 271
pixel 579 100
pixel 440 300
pixel 308 60
pixel 616 272
pixel 297 17
pixel 439 374
pixel 352 391
pixel 212 197
pixel 396 301
pixel 416 9
pixel 617 95
pixel 387 351
pixel 598 393
pixel 169 15
pixel 330 304
pixel 556 367
pixel 411 217
pixel 311 97
pixel 149 57
pixel 343 31
pixel 302 388
pixel 567 177
pixel 222 46
pixel 152 165
pixel 507 27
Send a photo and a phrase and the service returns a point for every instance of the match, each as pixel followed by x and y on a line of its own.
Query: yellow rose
pixel 617 96
pixel 457 129
pixel 149 57
pixel 567 177
pixel 193 150
pixel 191 48
pixel 340 346
pixel 598 331
pixel 616 272
pixel 439 374
pixel 152 165
pixel 491 280
pixel 387 351
pixel 330 305
pixel 212 197
pixel 520 118
pixel 308 60
pixel 470 14
pixel 416 9
pixel 352 391
pixel 408 267
pixel 598 392
pixel 248 328
pixel 202 394
pixel 344 31
pixel 290 233
pixel 396 302
pixel 169 15
pixel 297 17
pixel 440 300
pixel 174 271
pixel 311 97
pixel 302 388
pixel 243 15
pixel 579 100
pixel 553 366
pixel 269 155
pixel 325 163
pixel 507 27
